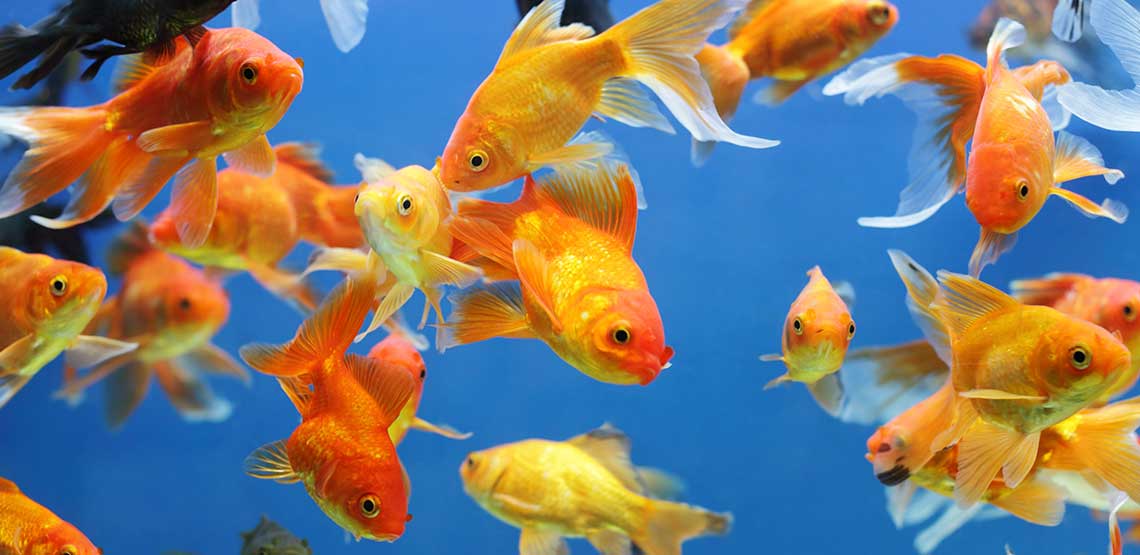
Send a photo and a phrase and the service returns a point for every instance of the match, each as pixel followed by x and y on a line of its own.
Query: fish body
pixel 128 148
pixel 26 527
pixel 568 240
pixel 582 487
pixel 341 452
pixel 46 308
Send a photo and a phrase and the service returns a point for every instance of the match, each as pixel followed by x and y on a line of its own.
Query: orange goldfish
pixel 549 80
pixel 45 308
pixel 1015 162
pixel 1015 370
pixel 341 451
pixel 568 240
pixel 395 351
pixel 28 528
pixel 171 120
pixel 792 41
pixel 172 310
pixel 817 331
pixel 585 486
pixel 262 219
pixel 1115 22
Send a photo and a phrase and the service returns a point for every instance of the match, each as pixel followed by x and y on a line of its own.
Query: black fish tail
pixel 19 46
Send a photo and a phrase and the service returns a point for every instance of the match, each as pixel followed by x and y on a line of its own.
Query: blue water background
pixel 724 249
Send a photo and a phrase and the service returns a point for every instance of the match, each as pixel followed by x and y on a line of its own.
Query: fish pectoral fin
pixel 1111 209
pixel 778 380
pixel 388 385
pixel 442 270
pixel 10 385
pixel 194 201
pixel 271 462
pixel 991 245
pixel 211 359
pixel 255 157
pixel 190 394
pixel 541 542
pixel 438 429
pixel 91 350
pixel 999 395
pixel 772 357
pixel 534 277
pixel 177 139
pixel 609 542
pixel 1075 157
pixel 1035 501
pixel 778 92
pixel 625 100
pixel 984 450
pixel 353 262
pixel 478 314
pixel 571 155
pixel 16 356
pixel 396 297
pixel 828 393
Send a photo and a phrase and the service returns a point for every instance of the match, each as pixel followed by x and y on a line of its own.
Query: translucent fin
pixel 668 524
pixel 922 290
pixel 347 21
pixel 1007 34
pixel 1076 157
pixel 122 162
pixel 1047 290
pixel 1036 501
pixel 950 521
pixel 828 393
pixel 190 394
pixel 478 314
pixel 271 462
pixel 255 157
pixel 610 447
pixel 194 201
pixel 245 14
pixel 1117 24
pixel 1069 19
pixel 389 385
pixel 987 449
pixel 991 245
pixel 88 350
pixel 881 382
pixel 535 278
pixel 625 101
pixel 546 542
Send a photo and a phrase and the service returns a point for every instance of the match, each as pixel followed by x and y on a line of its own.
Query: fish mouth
pixel 894 476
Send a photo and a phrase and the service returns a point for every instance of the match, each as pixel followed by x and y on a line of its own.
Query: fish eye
pixel 878 14
pixel 404 204
pixel 1129 312
pixel 423 374
pixel 68 550
pixel 356 198
pixel 477 160
pixel 1022 189
pixel 59 285
pixel 248 73
pixel 184 303
pixel 850 330
pixel 370 506
pixel 1080 358
pixel 621 335
pixel 470 462
pixel 798 326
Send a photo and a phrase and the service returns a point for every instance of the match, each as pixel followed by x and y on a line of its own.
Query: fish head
pixel 481 154
pixel 191 308
pixel 482 471
pixel 621 336
pixel 1078 361
pixel 1119 310
pixel 401 211
pixel 61 539
pixel 396 351
pixel 1008 183
pixel 890 455
pixel 817 338
pixel 366 495
pixel 64 296
pixel 867 21
pixel 255 82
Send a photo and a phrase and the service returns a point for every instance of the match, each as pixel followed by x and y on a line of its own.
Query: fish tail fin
pixel 1047 290
pixel 481 313
pixel 20 45
pixel 667 524
pixel 991 245
pixel 346 20
pixel 190 394
pixel 884 381
pixel 122 162
pixel 660 43
pixel 125 389
pixel 726 75
pixel 1105 442
pixel 1007 34
pixel 10 385
pixel 133 242
pixel 329 331
pixel 1115 22
pixel 946 93
pixel 63 144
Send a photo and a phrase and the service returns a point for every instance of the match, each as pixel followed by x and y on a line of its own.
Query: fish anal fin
pixel 828 393
pixel 541 542
pixel 984 450
pixel 440 270
pixel 256 157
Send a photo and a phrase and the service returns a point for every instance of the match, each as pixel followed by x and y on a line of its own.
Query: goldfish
pixel 1015 370
pixel 406 217
pixel 582 487
pixel 817 331
pixel 549 80
pixel 172 310
pixel 568 240
pixel 136 26
pixel 260 220
pixel 341 451
pixel 1115 22
pixel 46 307
pixel 28 527
pixel 346 19
pixel 1015 161
pixel 593 13
pixel 270 538
pixel 396 351
pixel 156 128
pixel 792 41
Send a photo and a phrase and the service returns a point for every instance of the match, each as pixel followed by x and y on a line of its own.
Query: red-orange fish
pixel 28 528
pixel 219 97
pixel 341 451
pixel 397 352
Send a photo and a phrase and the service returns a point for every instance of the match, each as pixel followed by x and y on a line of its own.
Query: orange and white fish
pixel 28 528
pixel 47 303
pixel 172 310
pixel 395 351
pixel 568 240
pixel 260 220
pixel 817 331
pixel 219 97
pixel 550 80
pixel 341 451
pixel 792 41
pixel 1115 23
pixel 1015 161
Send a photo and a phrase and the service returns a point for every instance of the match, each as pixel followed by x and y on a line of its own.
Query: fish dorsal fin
pixel 8 486
pixel 1007 34
pixel 610 447
pixel 129 245
pixel 964 300
pixel 922 290
pixel 605 198
pixel 372 169
pixel 746 17
pixel 304 157
pixel 388 385
pixel 541 26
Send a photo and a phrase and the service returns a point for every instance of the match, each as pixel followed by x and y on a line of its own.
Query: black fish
pixel 135 25
pixel 595 13
pixel 269 538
